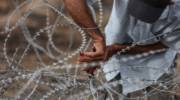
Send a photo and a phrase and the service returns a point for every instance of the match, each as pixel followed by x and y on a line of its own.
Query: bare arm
pixel 139 49
pixel 113 49
pixel 79 11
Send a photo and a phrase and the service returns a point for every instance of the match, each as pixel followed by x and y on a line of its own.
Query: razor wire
pixel 60 77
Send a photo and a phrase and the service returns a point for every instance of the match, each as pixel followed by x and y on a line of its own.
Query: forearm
pixel 139 48
pixel 79 11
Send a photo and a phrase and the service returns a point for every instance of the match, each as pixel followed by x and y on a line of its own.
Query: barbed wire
pixel 61 70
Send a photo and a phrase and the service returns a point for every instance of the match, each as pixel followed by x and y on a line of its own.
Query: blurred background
pixel 64 37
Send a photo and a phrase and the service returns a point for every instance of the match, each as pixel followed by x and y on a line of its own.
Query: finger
pixel 90 59
pixel 91 54
pixel 85 59
pixel 94 54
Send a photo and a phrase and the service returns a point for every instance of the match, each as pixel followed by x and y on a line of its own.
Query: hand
pixel 109 52
pixel 97 50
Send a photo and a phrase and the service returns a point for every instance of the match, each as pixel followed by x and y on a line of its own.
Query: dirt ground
pixel 35 22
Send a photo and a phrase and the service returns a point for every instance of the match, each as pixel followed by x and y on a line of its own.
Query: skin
pixel 113 49
pixel 81 15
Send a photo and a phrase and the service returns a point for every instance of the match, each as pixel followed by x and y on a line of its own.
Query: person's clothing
pixel 152 93
pixel 123 28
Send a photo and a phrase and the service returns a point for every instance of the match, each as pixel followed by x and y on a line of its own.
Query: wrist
pixel 97 36
pixel 99 39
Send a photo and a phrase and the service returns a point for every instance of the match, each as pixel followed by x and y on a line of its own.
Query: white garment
pixel 123 28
